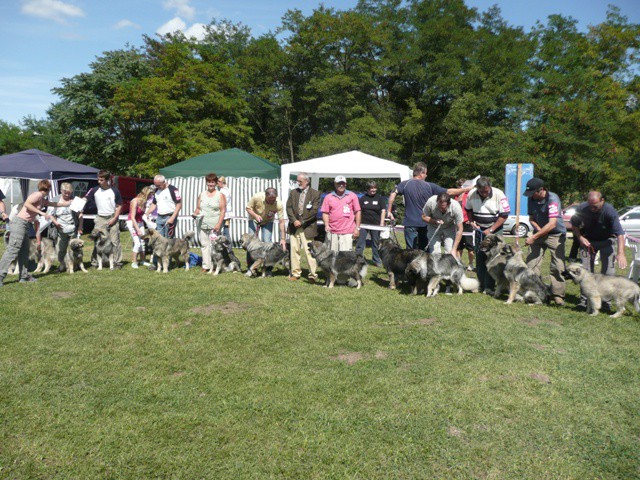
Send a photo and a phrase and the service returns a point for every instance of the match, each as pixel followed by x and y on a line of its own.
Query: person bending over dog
pixel 18 246
pixel 600 232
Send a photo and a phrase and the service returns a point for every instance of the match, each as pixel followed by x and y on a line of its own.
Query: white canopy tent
pixel 352 164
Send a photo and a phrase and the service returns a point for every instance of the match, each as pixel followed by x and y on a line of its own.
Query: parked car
pixel 630 222
pixel 509 226
pixel 569 212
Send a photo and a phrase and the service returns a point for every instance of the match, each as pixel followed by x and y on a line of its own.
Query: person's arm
pixel 133 208
pixel 31 206
pixel 196 212
pixel 541 232
pixel 223 210
pixel 497 225
pixel 454 192
pixel 325 220
pixel 392 198
pixel 283 234
pixel 622 259
pixel 457 239
pixel 175 214
pixel 356 232
pixel 116 216
pixel 383 215
pixel 3 211
pixel 252 213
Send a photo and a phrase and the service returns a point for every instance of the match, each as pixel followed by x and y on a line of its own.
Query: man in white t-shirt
pixel 109 205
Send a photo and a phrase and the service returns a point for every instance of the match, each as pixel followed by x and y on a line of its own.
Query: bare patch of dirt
pixel 350 358
pixel 455 432
pixel 141 308
pixel 483 378
pixel 535 322
pixel 380 355
pixel 537 346
pixel 226 308
pixel 426 321
pixel 560 350
pixel 178 374
pixel 541 377
pixel 508 378
pixel 63 294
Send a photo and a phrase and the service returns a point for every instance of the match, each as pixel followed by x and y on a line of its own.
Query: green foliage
pixel 423 80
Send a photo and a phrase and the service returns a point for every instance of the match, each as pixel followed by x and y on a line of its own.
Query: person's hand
pixel 487 232
pixel 584 242
pixel 170 222
pixel 622 261
pixel 439 222
pixel 4 216
pixel 283 244
pixel 297 224
pixel 356 233
pixel 47 216
pixel 529 241
pixel 258 219
pixel 79 231
pixel 112 222
pixel 390 215
pixel 455 253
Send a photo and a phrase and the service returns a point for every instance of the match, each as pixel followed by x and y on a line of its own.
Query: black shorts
pixel 466 242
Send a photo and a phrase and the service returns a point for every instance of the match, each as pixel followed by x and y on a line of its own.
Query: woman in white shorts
pixel 135 224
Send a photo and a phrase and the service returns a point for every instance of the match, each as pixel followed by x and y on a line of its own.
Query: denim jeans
pixel 416 237
pixel 362 243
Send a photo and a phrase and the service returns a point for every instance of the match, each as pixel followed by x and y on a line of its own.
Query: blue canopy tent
pixel 35 165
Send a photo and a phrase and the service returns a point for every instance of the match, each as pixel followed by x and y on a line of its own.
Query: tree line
pixel 421 80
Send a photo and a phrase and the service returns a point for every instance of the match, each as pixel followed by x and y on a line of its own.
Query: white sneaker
pixel 147 264
pixel 134 265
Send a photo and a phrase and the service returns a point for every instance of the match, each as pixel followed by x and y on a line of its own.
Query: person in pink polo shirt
pixel 341 216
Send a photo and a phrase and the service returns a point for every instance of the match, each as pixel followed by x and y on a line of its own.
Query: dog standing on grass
pixel 338 264
pixel 600 288
pixel 395 261
pixel 263 255
pixel 166 249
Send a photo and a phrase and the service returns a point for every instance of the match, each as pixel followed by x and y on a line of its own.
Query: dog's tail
pixel 190 235
pixel 470 284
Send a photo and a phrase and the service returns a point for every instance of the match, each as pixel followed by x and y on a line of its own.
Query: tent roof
pixel 353 164
pixel 37 164
pixel 231 163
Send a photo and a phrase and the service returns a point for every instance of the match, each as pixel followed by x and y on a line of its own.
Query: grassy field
pixel 132 374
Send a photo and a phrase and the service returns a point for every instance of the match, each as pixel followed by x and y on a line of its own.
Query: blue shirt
pixel 540 211
pixel 416 193
pixel 597 226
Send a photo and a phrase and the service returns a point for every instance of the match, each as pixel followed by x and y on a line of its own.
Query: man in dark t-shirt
pixel 372 206
pixel 597 227
pixel 416 193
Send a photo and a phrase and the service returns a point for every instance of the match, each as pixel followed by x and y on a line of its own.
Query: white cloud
pixel 56 10
pixel 125 23
pixel 181 8
pixel 197 30
pixel 174 25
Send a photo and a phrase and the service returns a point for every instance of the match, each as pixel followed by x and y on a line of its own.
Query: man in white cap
pixel 341 216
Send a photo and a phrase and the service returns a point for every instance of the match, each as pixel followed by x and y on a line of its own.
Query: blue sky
pixel 43 41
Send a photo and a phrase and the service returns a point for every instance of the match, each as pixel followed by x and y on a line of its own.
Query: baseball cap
pixel 533 186
pixel 340 178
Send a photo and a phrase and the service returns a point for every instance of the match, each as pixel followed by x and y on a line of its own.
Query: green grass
pixel 133 374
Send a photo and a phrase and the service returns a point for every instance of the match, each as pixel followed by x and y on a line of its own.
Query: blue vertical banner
pixel 511 185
